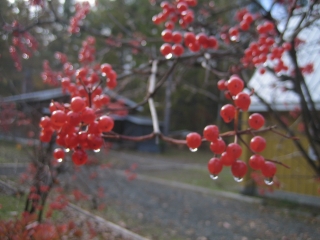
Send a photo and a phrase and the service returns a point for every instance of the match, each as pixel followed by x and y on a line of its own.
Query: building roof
pixel 278 93
pixel 57 93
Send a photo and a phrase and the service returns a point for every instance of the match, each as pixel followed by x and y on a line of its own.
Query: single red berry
pixel 258 144
pixel 166 35
pixel 212 42
pixel 239 169
pixel 189 38
pixel 234 150
pixel 218 146
pixel 45 122
pixel 256 162
pixel 227 159
pixel 177 49
pixel 176 37
pixel 95 141
pixel 235 85
pixel 202 39
pixel 105 124
pixel 215 166
pixel 58 153
pixel 77 104
pixel 211 133
pixel 256 121
pixel 105 68
pixel 242 100
pixel 165 49
pixel 79 156
pixel 268 169
pixel 58 118
pixel 228 113
pixel 88 115
pixel 222 85
pixel 193 140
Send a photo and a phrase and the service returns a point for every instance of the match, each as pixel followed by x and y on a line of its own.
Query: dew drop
pixel 213 177
pixel 237 179
pixel 268 181
pixel 234 38
pixel 193 149
pixel 59 160
pixel 96 150
pixel 169 56
pixel 67 150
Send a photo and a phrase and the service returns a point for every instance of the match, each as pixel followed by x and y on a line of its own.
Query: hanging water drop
pixel 96 150
pixel 59 160
pixel 193 149
pixel 268 181
pixel 237 179
pixel 67 150
pixel 213 177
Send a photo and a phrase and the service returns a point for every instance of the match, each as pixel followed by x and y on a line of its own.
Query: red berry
pixel 258 144
pixel 105 68
pixel 45 122
pixel 239 169
pixel 228 112
pixel 227 159
pixel 177 49
pixel 176 37
pixel 79 157
pixel 58 153
pixel 215 166
pixel 77 104
pixel 235 85
pixel 193 140
pixel 268 169
pixel 212 42
pixel 256 162
pixel 105 124
pixel 202 39
pixel 234 150
pixel 242 100
pixel 165 49
pixel 88 115
pixel 189 38
pixel 166 35
pixel 218 146
pixel 256 121
pixel 58 118
pixel 222 85
pixel 211 133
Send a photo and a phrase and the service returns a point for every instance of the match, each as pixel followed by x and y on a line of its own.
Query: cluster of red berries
pixel 82 9
pixel 179 11
pixel 265 49
pixel 78 128
pixel 22 42
pixel 77 125
pixel 230 154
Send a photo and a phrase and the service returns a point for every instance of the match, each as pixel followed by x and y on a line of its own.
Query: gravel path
pixel 185 214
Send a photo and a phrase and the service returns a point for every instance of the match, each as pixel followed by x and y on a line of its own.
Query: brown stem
pixel 277 162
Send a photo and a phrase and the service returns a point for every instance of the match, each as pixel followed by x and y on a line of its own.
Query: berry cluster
pixel 22 42
pixel 82 9
pixel 229 154
pixel 179 12
pixel 77 125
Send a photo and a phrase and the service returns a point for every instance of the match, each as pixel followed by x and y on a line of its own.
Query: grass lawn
pixel 11 152
pixel 11 206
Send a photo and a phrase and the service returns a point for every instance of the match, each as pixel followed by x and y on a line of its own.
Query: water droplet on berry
pixel 234 38
pixel 237 179
pixel 96 150
pixel 193 149
pixel 213 177
pixel 67 150
pixel 268 181
pixel 169 56
pixel 59 160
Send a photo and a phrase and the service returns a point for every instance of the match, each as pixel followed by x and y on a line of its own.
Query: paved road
pixel 185 214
